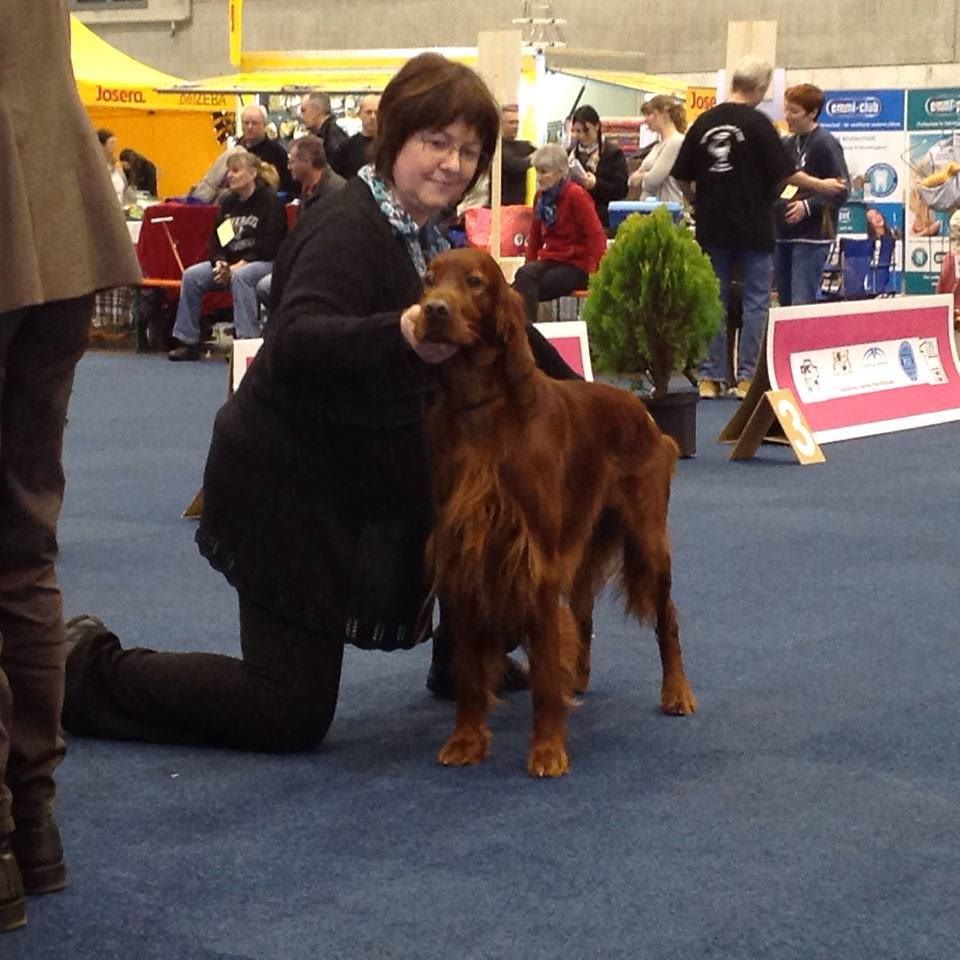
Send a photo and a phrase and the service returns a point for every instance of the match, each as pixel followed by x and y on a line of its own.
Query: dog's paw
pixel 548 760
pixel 465 748
pixel 677 699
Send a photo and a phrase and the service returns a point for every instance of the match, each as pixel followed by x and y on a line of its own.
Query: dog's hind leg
pixel 554 644
pixel 581 606
pixel 648 582
pixel 676 697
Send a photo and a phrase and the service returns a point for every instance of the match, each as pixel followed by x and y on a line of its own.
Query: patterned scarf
pixel 546 206
pixel 589 157
pixel 423 243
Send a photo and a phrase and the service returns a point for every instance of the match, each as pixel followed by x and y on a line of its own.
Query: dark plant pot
pixel 676 415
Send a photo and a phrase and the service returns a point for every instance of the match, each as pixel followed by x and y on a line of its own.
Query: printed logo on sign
pixel 908 362
pixel 854 107
pixel 810 374
pixel 919 257
pixel 874 357
pixel 940 106
pixel 841 362
pixel 118 95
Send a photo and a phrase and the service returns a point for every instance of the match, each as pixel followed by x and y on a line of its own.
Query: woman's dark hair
pixel 664 104
pixel 103 135
pixel 586 114
pixel 429 93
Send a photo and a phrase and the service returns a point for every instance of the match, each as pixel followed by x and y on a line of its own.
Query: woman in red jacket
pixel 566 240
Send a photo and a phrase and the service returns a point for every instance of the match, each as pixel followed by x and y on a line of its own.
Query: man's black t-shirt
pixel 734 155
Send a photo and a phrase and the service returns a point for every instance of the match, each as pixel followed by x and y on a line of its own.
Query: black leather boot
pixel 13 906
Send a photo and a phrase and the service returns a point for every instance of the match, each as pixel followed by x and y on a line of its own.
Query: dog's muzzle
pixel 436 320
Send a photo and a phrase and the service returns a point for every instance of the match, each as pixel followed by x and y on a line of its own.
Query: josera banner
pixel 933 156
pixel 870 126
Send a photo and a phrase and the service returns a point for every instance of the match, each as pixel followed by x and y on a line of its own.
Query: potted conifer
pixel 653 308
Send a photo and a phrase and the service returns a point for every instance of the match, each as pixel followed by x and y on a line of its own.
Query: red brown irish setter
pixel 544 489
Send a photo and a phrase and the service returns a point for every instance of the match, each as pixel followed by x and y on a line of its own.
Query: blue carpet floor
pixel 808 810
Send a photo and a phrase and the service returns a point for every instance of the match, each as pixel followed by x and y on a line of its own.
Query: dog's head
pixel 467 302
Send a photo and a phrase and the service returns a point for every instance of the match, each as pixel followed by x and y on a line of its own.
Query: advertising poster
pixel 877 366
pixel 870 125
pixel 933 157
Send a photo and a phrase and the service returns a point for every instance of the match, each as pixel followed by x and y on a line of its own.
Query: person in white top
pixel 108 143
pixel 666 117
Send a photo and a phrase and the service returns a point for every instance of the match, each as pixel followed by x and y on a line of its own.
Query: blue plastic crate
pixel 619 210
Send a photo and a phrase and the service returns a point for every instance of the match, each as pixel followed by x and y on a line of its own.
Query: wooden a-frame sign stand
pixel 769 415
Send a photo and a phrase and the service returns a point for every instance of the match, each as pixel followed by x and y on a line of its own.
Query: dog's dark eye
pixel 474 280
pixel 428 279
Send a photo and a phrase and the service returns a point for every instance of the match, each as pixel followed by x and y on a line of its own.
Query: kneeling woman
pixel 566 240
pixel 317 485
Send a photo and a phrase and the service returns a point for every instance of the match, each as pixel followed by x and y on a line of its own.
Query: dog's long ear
pixel 512 333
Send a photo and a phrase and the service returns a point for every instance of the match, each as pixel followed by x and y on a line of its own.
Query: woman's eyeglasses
pixel 440 145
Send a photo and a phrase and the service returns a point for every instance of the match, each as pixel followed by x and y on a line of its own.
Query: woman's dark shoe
pixel 39 852
pixel 13 906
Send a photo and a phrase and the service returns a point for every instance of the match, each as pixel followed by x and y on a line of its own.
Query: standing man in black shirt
pixel 734 157
pixel 355 153
pixel 317 116
pixel 516 158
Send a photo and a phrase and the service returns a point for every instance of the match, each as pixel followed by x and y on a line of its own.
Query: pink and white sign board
pixel 568 336
pixel 243 353
pixel 867 367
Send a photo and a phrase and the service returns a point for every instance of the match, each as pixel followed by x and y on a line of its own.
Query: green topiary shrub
pixel 654 304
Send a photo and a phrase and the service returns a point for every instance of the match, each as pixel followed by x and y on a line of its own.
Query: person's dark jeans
pixel 39 349
pixel 542 280
pixel 280 697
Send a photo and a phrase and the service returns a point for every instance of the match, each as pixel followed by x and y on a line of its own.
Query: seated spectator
pixel 244 240
pixel 600 167
pixel 141 173
pixel 309 167
pixel 212 186
pixel 254 139
pixel 566 241
pixel 667 118
pixel 108 143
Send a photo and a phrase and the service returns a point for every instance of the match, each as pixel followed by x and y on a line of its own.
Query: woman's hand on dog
pixel 426 350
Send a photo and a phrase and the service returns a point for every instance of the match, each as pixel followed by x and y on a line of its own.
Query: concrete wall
pixel 908 42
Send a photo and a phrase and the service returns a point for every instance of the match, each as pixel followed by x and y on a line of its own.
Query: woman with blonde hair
pixel 667 118
pixel 245 238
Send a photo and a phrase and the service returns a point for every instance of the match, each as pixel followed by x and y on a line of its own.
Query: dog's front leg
pixel 554 645
pixel 478 666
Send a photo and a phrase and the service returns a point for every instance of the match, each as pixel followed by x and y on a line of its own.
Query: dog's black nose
pixel 435 310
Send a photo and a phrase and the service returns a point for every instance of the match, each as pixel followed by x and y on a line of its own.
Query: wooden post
pixel 498 62
pixel 749 37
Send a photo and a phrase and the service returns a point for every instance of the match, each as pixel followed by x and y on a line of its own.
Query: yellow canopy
pixel 107 77
pixel 283 81
pixel 643 82
pixel 333 71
